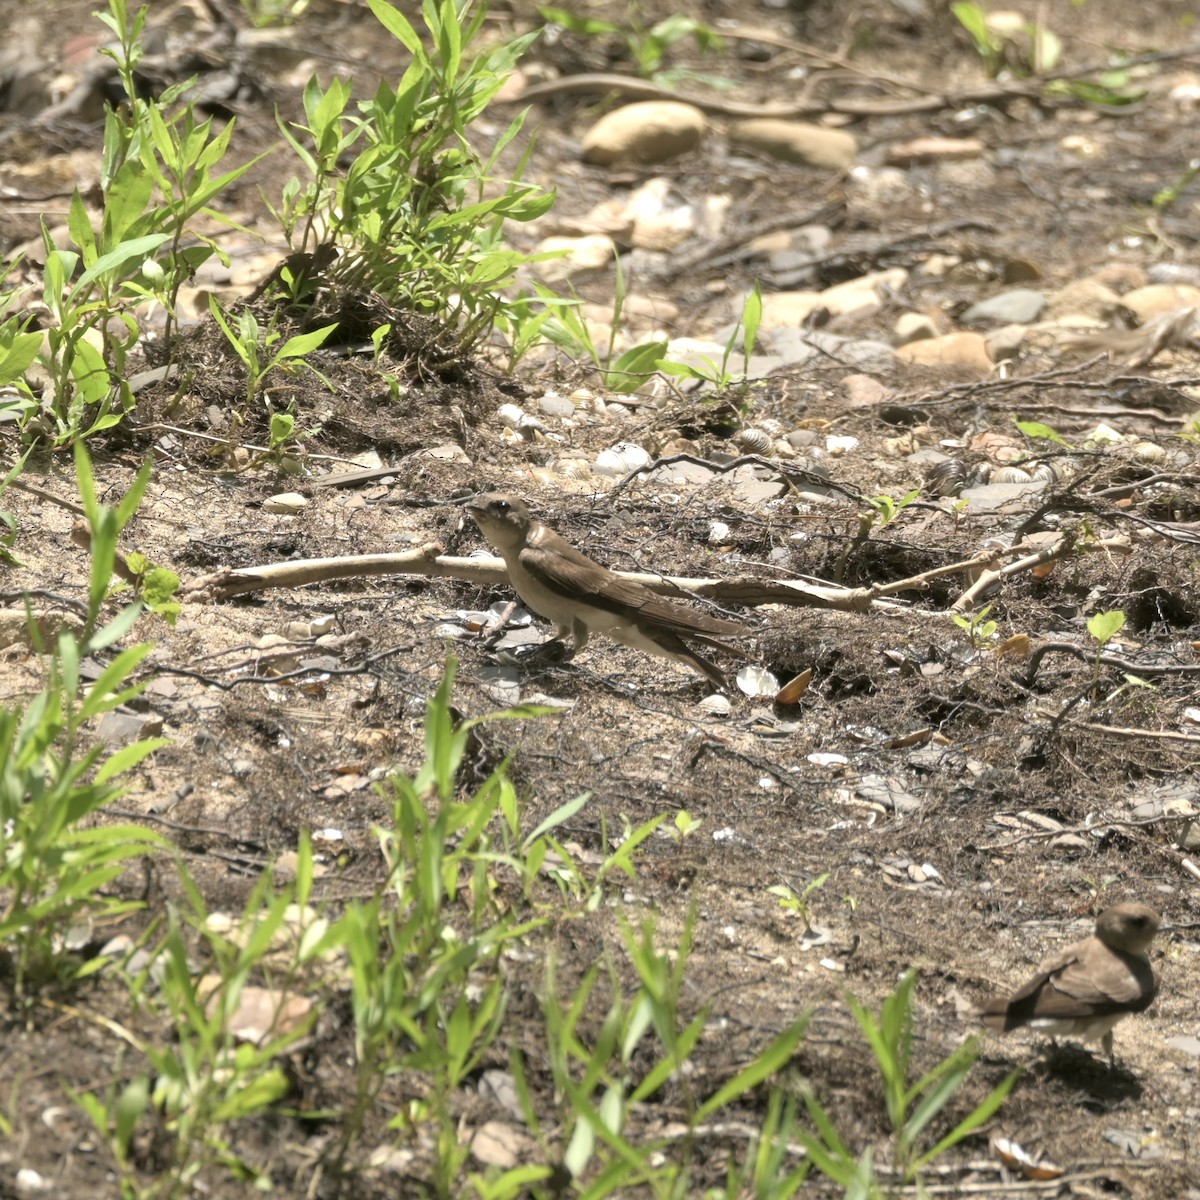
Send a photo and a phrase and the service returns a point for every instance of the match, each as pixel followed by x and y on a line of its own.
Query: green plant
pixel 156 176
pixel 684 825
pixel 547 316
pixel 911 1107
pixel 790 902
pixel 266 14
pixel 253 346
pixel 433 927
pixel 647 47
pixel 1030 49
pixel 561 324
pixel 886 508
pixel 8 522
pixel 54 863
pixel 115 1115
pixel 719 376
pixel 156 587
pixel 763 1172
pixel 19 349
pixel 414 212
pixel 222 1064
pixel 1002 49
pixel 976 626
pixel 1104 626
pixel 537 848
pixel 599 1084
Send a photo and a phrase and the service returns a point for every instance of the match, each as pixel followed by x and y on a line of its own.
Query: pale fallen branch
pixel 428 561
pixel 989 579
pixel 1158 735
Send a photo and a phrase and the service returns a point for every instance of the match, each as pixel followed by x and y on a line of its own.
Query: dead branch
pixel 1158 735
pixel 989 579
pixel 1105 660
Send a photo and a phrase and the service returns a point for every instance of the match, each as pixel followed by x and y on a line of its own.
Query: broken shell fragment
pixel 795 687
pixel 756 681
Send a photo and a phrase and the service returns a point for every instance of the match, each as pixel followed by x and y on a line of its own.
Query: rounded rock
pixel 912 327
pixel 649 132
pixel 952 349
pixel 797 142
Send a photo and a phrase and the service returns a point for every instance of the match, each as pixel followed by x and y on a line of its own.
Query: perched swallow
pixel 581 597
pixel 1085 989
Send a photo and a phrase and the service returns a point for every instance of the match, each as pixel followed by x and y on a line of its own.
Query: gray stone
pixel 1020 306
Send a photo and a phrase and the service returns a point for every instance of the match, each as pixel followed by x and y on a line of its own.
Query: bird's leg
pixel 556 649
pixel 1107 1042
pixel 552 651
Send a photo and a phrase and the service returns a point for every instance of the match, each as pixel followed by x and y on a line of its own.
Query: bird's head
pixel 503 520
pixel 1128 927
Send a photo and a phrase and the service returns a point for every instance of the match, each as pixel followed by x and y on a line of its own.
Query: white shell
pixel 620 459
pixel 511 415
pixel 756 681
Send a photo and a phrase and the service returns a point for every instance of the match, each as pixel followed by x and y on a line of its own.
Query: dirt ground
pixel 972 810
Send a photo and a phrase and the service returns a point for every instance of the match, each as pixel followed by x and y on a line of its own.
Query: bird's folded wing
pixel 1075 984
pixel 610 592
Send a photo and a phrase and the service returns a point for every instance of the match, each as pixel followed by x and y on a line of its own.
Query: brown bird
pixel 1085 989
pixel 581 597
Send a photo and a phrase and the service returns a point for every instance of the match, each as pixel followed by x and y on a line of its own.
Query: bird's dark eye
pixel 501 506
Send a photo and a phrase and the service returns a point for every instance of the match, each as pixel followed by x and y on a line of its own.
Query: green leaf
pixel 132 251
pixel 305 343
pixel 1035 429
pixel 130 1108
pixel 103 694
pixel 577 23
pixel 558 817
pixel 79 226
pixel 90 373
pixel 1103 626
pixel 938 1091
pixel 630 369
pixel 968 1125
pixel 127 758
pixel 159 585
pixel 973 19
pixel 771 1060
pixel 398 26
pixel 116 629
pixel 18 356
pixel 752 318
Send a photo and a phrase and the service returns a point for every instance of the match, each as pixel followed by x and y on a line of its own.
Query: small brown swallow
pixel 1085 989
pixel 581 597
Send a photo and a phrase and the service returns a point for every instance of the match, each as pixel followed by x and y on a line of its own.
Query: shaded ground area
pixel 969 809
